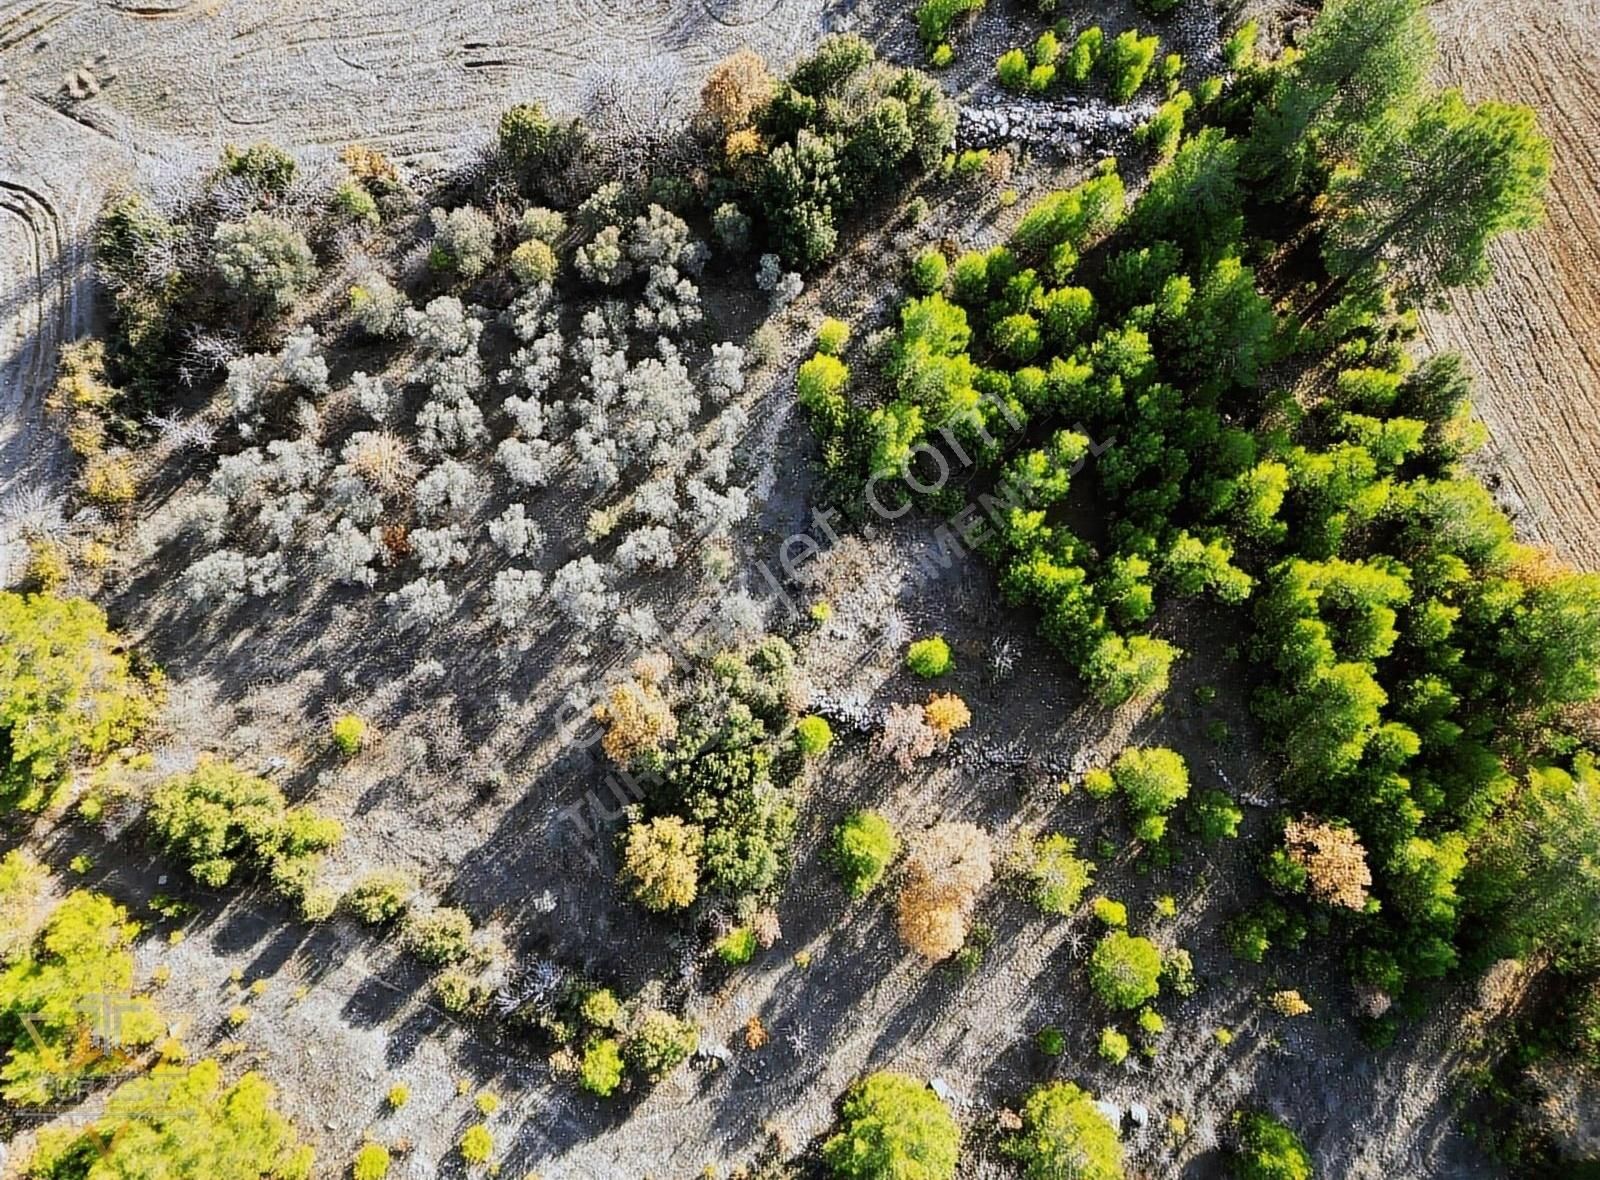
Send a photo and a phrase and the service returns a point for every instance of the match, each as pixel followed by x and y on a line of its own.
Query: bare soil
pixel 1533 334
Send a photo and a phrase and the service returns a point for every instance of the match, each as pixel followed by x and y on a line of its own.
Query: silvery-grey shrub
pixel 449 488
pixel 514 533
pixel 581 591
pixel 422 603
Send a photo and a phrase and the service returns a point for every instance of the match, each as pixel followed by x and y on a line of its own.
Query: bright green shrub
pixel 1267 1150
pixel 814 735
pixel 820 385
pixel 1113 1046
pixel 1012 68
pixel 349 734
pixel 1127 61
pixel 929 271
pixel 477 1145
pixel 66 694
pixel 1111 914
pixel 737 947
pixel 892 1127
pixel 1065 1137
pixel 864 846
pixel 180 1121
pixel 1059 877
pixel 832 336
pixel 371 1162
pixel 1085 55
pixel 1125 971
pixel 1018 337
pixel 600 1072
pixel 930 658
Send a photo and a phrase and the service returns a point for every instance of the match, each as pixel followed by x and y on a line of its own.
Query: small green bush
pixel 1125 971
pixel 1268 1150
pixel 1113 1046
pixel 832 336
pixel 399 1094
pixel 601 1070
pixel 1150 1022
pixel 864 845
pixel 477 1145
pixel 1112 914
pixel 1012 69
pixel 1050 1041
pixel 943 55
pixel 737 947
pixel 440 938
pixel 353 202
pixel 381 896
pixel 1084 56
pixel 929 271
pixel 371 1162
pixel 814 735
pixel 893 1127
pixel 349 734
pixel 930 658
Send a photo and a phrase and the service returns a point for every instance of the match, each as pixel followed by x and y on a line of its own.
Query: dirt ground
pixel 1533 334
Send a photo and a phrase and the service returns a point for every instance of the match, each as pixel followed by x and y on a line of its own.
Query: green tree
pixel 892 1127
pixel 1154 779
pixel 1065 1137
pixel 1537 875
pixel 1362 61
pixel 265 261
pixel 1058 875
pixel 661 862
pixel 1125 971
pixel 218 816
pixel 180 1121
pixel 66 1008
pixel 67 693
pixel 1268 1150
pixel 600 1072
pixel 660 1043
pixel 864 845
pixel 1430 191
